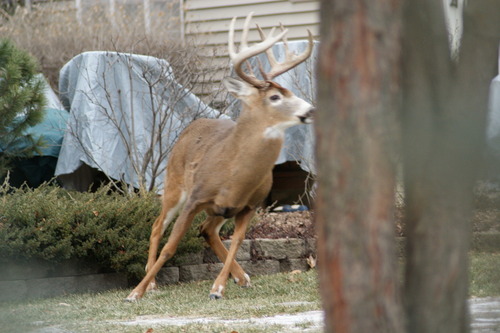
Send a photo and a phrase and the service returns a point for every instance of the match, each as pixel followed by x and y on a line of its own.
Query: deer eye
pixel 274 97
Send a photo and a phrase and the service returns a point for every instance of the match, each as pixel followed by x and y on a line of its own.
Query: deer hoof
pixel 215 296
pixel 133 297
pixel 216 293
pixel 245 282
pixel 152 287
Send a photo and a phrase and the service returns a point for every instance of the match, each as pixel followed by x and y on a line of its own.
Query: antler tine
pixel 269 52
pixel 285 40
pixel 244 35
pixel 246 52
pixel 291 59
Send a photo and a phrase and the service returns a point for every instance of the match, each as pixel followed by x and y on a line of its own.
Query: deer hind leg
pixel 180 228
pixel 241 224
pixel 173 201
pixel 210 231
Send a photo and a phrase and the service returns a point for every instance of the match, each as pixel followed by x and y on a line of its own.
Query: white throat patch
pixel 277 131
pixel 272 132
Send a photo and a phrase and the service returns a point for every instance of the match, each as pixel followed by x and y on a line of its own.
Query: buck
pixel 225 167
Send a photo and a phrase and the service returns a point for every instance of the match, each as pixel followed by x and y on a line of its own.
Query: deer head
pixel 272 100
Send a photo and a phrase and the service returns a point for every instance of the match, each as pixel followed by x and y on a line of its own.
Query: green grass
pixel 270 295
pixel 484 274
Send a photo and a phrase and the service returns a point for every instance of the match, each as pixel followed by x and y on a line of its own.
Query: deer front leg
pixel 241 223
pixel 172 202
pixel 180 228
pixel 210 231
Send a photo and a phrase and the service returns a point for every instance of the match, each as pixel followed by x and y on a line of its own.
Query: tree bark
pixel 444 108
pixel 444 104
pixel 356 135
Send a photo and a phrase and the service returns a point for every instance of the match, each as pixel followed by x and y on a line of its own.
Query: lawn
pixel 187 308
pixel 107 312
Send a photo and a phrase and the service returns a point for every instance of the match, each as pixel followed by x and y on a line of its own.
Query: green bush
pixel 107 227
pixel 21 104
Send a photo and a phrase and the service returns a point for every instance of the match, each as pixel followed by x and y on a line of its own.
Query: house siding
pixel 208 21
pixel 206 24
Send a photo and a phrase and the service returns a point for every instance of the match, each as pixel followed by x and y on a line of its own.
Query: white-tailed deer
pixel 225 167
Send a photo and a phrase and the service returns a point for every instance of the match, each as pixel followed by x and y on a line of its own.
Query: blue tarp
pixel 51 129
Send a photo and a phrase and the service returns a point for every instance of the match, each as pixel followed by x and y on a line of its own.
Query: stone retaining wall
pixel 25 279
pixel 36 278
pixel 256 257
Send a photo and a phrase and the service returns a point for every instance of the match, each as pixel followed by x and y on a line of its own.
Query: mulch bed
pixel 486 218
pixel 282 225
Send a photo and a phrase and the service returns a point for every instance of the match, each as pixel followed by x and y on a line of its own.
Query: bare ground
pixel 282 225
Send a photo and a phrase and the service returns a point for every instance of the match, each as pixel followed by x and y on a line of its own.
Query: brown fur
pixel 224 168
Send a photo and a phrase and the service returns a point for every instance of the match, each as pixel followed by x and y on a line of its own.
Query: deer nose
pixel 307 118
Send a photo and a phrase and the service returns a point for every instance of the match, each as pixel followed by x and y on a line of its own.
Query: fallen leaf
pixel 149 330
pixel 294 276
pixel 311 261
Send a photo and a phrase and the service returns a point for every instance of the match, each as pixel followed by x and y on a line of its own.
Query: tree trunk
pixel 444 108
pixel 356 139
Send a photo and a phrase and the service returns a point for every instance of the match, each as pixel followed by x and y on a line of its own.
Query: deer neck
pixel 250 158
pixel 250 140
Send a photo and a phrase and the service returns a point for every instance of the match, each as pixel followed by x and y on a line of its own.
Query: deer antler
pixel 291 59
pixel 246 52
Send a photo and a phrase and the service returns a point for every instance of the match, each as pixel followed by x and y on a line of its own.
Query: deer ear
pixel 236 87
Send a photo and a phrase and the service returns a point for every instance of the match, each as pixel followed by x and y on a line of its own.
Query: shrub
pixel 106 227
pixel 21 104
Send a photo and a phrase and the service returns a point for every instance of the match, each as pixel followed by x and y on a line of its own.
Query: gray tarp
pixel 119 104
pixel 493 130
pixel 111 127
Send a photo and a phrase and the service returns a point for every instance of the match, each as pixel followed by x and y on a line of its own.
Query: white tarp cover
pixel 493 130
pixel 117 103
pixel 111 97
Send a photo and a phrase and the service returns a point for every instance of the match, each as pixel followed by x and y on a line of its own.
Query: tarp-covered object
pixel 125 113
pixel 41 166
pixel 493 130
pixel 53 125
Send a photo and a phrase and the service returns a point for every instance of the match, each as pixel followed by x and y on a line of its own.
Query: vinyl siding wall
pixel 206 23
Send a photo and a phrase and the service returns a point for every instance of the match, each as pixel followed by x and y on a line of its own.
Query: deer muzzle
pixel 307 117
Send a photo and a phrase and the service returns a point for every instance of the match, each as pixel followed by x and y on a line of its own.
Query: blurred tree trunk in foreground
pixel 443 115
pixel 356 131
pixel 444 112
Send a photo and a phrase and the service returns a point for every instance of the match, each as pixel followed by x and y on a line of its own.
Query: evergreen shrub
pixel 106 227
pixel 21 104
